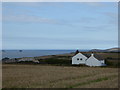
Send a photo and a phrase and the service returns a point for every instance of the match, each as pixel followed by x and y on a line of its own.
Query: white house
pixel 79 59
pixel 93 60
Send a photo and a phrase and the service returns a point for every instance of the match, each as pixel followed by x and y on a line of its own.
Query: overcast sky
pixel 68 25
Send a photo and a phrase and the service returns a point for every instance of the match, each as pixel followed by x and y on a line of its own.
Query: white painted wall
pixel 80 56
pixel 92 61
pixel 36 61
pixel 102 61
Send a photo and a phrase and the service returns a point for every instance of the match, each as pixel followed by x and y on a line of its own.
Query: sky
pixel 59 25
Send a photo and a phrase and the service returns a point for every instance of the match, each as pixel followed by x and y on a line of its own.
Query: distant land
pixel 106 50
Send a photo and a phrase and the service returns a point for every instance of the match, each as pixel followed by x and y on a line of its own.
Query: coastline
pixel 32 53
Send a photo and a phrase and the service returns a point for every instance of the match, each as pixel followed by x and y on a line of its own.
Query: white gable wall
pixel 81 57
pixel 102 61
pixel 92 61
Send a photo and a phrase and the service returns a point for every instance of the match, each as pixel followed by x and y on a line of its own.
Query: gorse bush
pixel 113 63
pixel 56 61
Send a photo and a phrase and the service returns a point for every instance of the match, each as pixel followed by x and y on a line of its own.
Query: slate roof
pixel 98 57
pixel 89 54
pixel 95 55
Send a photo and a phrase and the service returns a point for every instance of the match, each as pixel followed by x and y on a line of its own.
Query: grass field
pixel 46 76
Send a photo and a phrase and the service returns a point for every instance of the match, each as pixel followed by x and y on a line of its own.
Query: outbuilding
pixel 95 60
pixel 89 60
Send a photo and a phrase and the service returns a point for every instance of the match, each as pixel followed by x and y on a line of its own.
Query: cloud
pixel 46 42
pixel 86 19
pixel 94 4
pixel 101 28
pixel 95 28
pixel 112 17
pixel 33 4
pixel 60 0
pixel 27 19
pixel 34 19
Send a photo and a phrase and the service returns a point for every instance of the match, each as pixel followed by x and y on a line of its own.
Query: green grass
pixel 89 82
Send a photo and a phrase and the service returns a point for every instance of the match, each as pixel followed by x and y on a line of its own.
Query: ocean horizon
pixel 34 53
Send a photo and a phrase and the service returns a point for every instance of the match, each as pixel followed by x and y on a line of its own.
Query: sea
pixel 33 53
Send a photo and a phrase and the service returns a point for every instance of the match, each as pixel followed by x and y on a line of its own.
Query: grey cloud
pixel 34 19
pixel 95 28
pixel 85 20
pixel 45 40
pixel 113 17
pixel 111 14
pixel 27 18
pixel 94 4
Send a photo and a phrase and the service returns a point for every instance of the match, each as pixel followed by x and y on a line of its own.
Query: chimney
pixel 77 52
pixel 92 54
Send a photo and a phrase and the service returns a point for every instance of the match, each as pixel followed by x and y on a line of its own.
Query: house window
pixel 80 58
pixel 77 58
